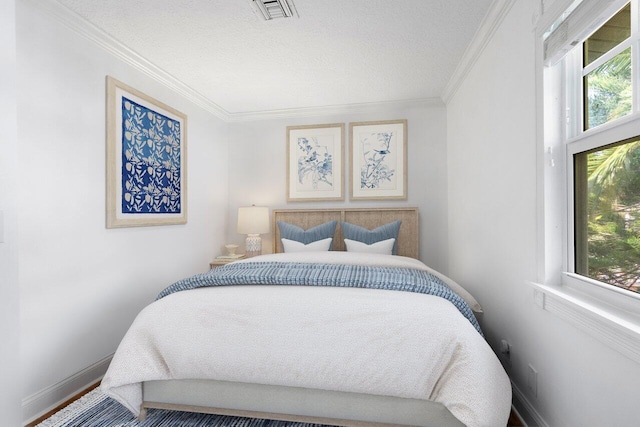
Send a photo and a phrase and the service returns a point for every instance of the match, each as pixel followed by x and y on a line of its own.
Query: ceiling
pixel 337 52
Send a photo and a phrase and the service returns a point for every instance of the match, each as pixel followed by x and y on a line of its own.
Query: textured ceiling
pixel 337 52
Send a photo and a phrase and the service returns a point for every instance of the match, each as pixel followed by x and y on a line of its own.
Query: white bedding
pixel 379 342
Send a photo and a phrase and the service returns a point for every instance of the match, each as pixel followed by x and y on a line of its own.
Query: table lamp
pixel 253 221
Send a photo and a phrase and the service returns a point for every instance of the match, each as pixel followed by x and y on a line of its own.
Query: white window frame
pixel 608 313
pixel 578 140
pixel 619 130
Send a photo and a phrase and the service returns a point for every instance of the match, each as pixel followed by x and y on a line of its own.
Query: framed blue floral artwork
pixel 379 160
pixel 314 162
pixel 146 159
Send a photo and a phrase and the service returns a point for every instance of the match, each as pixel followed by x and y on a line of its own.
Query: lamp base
pixel 253 245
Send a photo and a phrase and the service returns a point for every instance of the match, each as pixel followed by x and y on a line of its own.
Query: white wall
pixel 258 176
pixel 472 173
pixel 9 313
pixel 491 137
pixel 82 284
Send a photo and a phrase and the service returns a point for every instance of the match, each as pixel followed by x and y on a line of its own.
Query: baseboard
pixel 526 411
pixel 40 403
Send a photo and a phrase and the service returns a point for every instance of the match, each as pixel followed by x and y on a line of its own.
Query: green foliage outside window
pixel 614 215
pixel 613 211
pixel 609 91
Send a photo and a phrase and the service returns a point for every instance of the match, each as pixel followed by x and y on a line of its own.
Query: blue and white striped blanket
pixel 311 274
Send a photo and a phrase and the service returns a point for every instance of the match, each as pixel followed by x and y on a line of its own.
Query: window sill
pixel 619 329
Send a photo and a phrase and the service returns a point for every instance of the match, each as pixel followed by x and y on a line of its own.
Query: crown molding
pixel 366 107
pixel 492 20
pixel 84 28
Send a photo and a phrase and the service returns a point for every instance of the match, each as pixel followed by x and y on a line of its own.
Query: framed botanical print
pixel 314 162
pixel 379 160
pixel 146 159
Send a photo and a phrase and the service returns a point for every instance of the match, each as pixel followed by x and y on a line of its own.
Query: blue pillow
pixel 319 232
pixel 384 232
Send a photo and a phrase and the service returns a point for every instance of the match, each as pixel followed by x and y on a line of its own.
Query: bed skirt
pixel 293 404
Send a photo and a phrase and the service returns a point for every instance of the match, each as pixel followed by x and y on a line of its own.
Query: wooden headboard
pixel 408 237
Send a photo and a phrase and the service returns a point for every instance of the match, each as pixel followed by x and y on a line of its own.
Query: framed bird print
pixel 314 162
pixel 379 160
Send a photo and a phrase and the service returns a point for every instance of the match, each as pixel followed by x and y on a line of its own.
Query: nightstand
pixel 220 262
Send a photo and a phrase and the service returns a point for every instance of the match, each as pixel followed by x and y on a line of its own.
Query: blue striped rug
pixel 95 409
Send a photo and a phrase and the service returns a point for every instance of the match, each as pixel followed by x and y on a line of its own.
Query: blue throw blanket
pixel 309 274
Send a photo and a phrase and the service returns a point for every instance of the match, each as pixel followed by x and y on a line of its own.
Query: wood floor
pixel 62 405
pixel 514 421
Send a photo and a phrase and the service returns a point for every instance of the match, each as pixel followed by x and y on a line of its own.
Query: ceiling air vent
pixel 274 9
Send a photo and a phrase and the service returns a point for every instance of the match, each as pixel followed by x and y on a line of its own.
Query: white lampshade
pixel 253 220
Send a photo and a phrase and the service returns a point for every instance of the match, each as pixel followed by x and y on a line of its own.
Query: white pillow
pixel 318 245
pixel 382 247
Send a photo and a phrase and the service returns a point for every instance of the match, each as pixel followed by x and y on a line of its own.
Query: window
pixel 607 214
pixel 612 33
pixel 589 210
pixel 607 80
pixel 602 141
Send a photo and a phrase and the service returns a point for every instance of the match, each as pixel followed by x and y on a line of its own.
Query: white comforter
pixel 344 339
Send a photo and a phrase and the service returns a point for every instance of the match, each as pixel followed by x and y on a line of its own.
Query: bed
pixel 329 337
